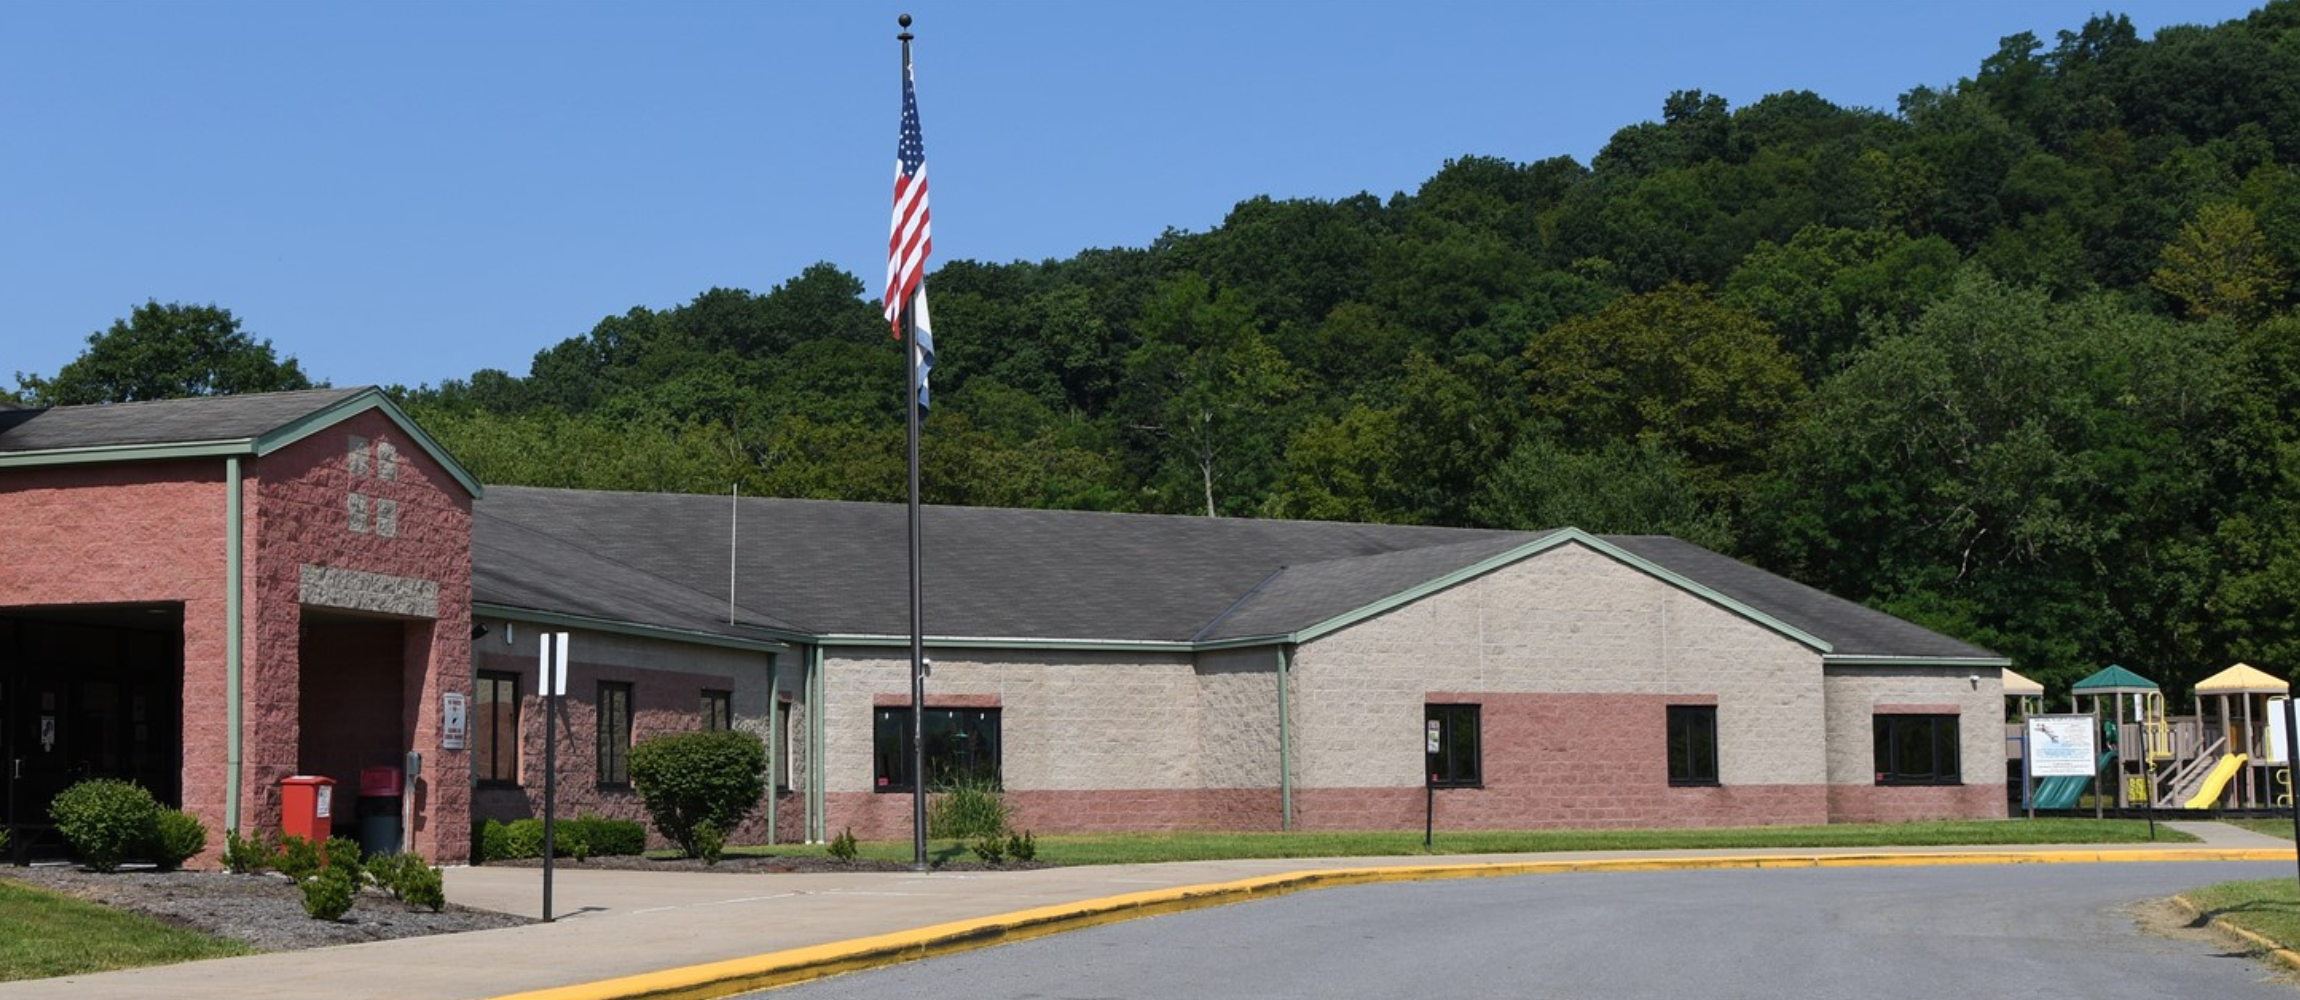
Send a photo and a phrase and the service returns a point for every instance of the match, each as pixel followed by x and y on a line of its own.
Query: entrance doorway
pixel 86 692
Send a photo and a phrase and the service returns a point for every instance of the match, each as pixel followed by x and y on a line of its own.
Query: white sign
pixel 552 679
pixel 2062 746
pixel 324 801
pixel 1436 730
pixel 2276 737
pixel 454 720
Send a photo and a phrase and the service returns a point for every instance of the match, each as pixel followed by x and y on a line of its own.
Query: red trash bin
pixel 307 807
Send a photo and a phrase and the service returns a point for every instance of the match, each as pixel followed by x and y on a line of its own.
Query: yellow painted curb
pixel 2274 950
pixel 781 968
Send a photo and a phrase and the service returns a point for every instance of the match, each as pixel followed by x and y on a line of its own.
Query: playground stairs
pixel 2183 781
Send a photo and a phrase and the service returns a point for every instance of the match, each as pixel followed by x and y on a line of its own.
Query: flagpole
pixel 917 592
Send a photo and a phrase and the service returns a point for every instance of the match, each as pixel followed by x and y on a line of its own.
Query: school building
pixel 212 595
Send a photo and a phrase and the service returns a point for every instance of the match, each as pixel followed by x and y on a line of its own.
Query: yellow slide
pixel 2215 782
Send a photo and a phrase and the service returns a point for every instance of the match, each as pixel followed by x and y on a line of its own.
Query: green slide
pixel 2062 792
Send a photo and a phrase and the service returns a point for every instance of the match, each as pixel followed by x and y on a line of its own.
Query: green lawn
pixel 51 935
pixel 2272 827
pixel 1137 848
pixel 2269 908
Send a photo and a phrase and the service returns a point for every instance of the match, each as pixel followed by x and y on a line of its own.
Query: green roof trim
pixel 1562 536
pixel 588 623
pixel 2113 678
pixel 127 453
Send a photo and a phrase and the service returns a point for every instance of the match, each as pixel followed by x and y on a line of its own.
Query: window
pixel 1692 744
pixel 1917 750
pixel 1452 745
pixel 718 710
pixel 495 729
pixel 614 733
pixel 961 745
pixel 779 752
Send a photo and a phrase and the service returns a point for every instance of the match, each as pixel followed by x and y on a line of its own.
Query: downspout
pixel 1285 744
pixel 818 809
pixel 775 747
pixel 234 578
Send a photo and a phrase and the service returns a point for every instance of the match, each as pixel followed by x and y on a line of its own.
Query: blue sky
pixel 407 192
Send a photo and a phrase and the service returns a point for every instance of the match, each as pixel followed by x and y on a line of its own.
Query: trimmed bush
pixel 177 837
pixel 249 855
pixel 299 858
pixel 342 854
pixel 1023 846
pixel 327 895
pixel 689 779
pixel 583 836
pixel 709 843
pixel 991 850
pixel 408 879
pixel 104 819
pixel 609 837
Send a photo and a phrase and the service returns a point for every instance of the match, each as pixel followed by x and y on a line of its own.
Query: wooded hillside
pixel 2015 360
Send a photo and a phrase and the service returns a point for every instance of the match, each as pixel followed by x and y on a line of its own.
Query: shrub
pixel 609 837
pixel 342 854
pixel 423 886
pixel 248 855
pixel 709 844
pixel 967 809
pixel 843 846
pixel 523 838
pixel 991 850
pixel 494 842
pixel 1023 846
pixel 177 837
pixel 298 858
pixel 407 878
pixel 688 779
pixel 104 819
pixel 327 895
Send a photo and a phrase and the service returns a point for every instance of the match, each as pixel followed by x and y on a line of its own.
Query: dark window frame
pixel 1917 749
pixel 613 716
pixel 488 738
pixel 1693 758
pixel 960 742
pixel 717 708
pixel 1459 761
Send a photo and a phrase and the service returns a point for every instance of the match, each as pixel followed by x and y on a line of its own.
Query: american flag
pixel 911 236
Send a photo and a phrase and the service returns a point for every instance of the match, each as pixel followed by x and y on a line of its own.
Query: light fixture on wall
pixel 1976 681
pixel 478 630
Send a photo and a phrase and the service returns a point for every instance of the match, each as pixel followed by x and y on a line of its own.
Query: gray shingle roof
pixel 163 421
pixel 829 568
pixel 1852 629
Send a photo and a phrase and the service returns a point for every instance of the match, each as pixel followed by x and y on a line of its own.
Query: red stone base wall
pixel 1906 803
pixel 887 816
pixel 1559 809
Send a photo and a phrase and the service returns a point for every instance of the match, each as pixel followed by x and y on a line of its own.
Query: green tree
pixel 2221 265
pixel 1622 487
pixel 166 352
pixel 1206 382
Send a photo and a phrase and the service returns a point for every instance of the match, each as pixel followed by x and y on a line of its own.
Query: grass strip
pixel 2268 907
pixel 52 935
pixel 1140 848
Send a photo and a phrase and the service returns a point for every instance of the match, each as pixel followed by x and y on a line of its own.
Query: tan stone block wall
pixel 1567 621
pixel 1238 735
pixel 1068 721
pixel 1855 692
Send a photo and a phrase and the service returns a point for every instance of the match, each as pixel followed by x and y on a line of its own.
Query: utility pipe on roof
pixel 234 579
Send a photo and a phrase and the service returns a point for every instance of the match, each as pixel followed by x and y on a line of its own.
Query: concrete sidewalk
pixel 629 934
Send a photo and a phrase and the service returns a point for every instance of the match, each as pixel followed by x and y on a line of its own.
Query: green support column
pixel 1285 744
pixel 235 578
pixel 775 746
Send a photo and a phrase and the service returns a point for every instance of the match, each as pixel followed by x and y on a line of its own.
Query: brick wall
pixel 149 532
pixel 667 681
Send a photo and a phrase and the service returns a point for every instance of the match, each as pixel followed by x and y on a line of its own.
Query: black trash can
pixel 379 825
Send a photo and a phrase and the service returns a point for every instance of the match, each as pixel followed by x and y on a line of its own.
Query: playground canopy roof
pixel 2112 679
pixel 2242 678
pixel 2017 686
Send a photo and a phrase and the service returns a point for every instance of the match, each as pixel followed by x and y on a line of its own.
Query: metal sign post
pixel 1434 740
pixel 551 685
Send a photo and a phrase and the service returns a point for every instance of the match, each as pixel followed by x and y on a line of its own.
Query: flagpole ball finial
pixel 904 21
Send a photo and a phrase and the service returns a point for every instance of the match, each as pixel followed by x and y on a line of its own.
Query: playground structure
pixel 2225 755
